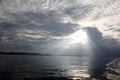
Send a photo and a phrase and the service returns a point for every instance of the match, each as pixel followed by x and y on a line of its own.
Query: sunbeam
pixel 79 36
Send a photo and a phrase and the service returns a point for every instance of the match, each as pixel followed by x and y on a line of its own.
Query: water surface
pixel 73 67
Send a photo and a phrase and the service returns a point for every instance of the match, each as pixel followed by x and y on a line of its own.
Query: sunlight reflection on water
pixel 75 67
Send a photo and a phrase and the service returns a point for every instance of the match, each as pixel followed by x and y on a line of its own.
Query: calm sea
pixel 30 66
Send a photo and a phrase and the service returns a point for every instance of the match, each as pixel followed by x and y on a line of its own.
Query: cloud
pixel 79 12
pixel 32 29
pixel 101 42
pixel 94 34
pixel 37 22
pixel 118 30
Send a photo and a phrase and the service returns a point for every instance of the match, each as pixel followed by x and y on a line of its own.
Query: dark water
pixel 19 67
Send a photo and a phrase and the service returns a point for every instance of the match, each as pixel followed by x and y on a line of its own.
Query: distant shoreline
pixel 44 54
pixel 22 53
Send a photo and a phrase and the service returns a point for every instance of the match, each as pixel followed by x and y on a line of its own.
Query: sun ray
pixel 79 36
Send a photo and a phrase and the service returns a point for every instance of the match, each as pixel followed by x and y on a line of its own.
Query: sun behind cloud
pixel 79 36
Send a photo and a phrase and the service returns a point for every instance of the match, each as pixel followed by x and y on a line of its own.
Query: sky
pixel 59 26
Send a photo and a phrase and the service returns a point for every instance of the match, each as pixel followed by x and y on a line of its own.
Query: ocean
pixel 23 67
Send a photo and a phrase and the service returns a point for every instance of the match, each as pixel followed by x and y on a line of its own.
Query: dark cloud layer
pixel 98 39
pixel 94 34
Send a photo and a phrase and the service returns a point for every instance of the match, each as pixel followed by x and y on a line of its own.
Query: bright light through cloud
pixel 86 23
pixel 79 36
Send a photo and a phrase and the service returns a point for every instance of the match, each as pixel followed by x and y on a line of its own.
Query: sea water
pixel 20 67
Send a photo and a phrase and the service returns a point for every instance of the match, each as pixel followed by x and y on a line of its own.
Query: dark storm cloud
pixel 100 41
pixel 48 22
pixel 60 29
pixel 94 34
pixel 7 25
pixel 111 42
pixel 7 30
pixel 27 28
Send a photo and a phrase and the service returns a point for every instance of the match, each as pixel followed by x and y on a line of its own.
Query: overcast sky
pixel 38 25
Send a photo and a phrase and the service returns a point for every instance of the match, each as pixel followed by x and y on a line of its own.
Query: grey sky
pixel 33 25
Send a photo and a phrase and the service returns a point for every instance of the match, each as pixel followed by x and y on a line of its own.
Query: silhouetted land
pixel 47 78
pixel 111 53
pixel 22 53
pixel 50 78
